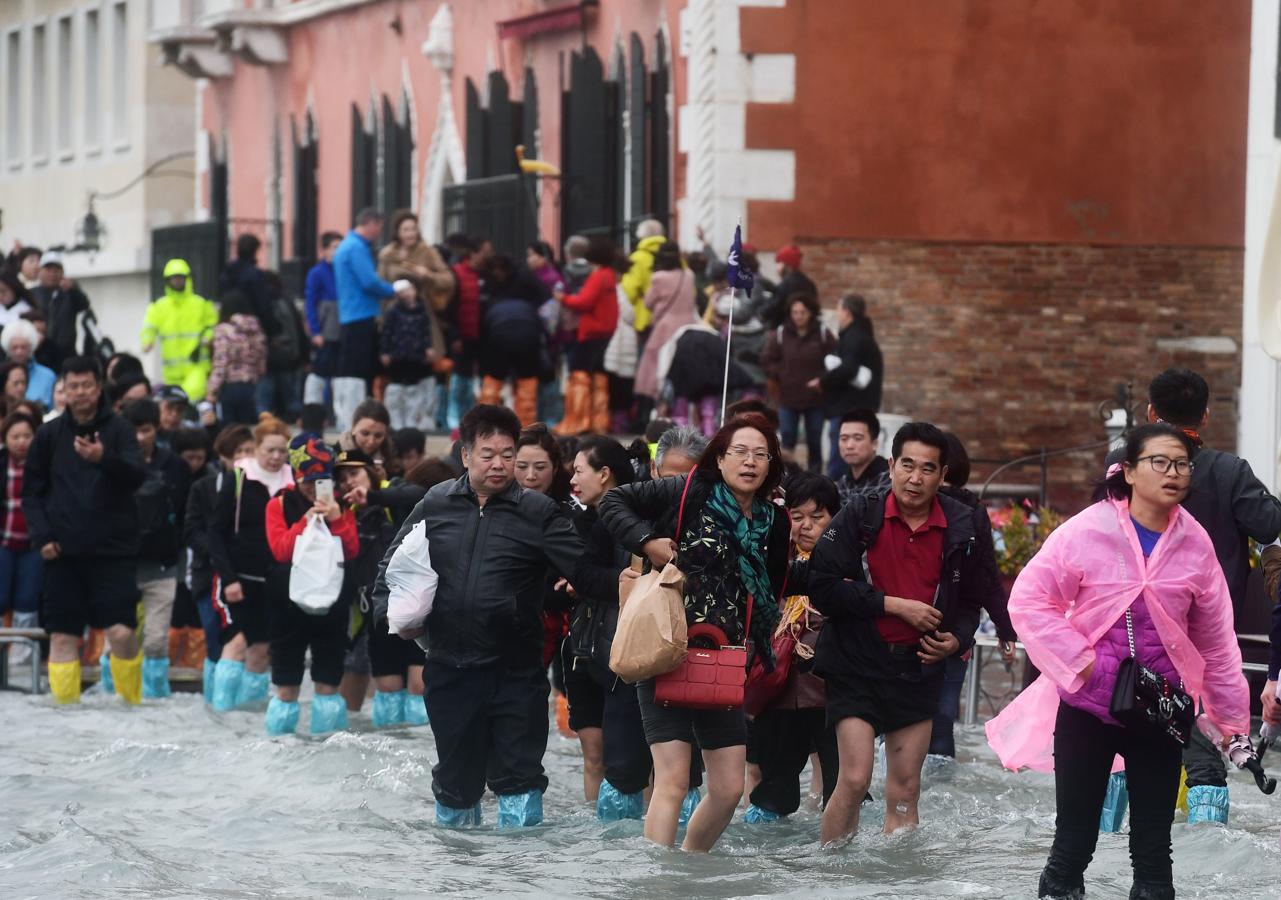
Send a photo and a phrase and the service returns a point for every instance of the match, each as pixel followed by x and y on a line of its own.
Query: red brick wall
pixel 1014 346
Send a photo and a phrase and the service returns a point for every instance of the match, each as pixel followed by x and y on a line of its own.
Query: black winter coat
pixel 1232 505
pixel 595 616
pixel 201 502
pixel 856 347
pixel 88 508
pixel 237 538
pixel 245 276
pixel 491 562
pixel 850 645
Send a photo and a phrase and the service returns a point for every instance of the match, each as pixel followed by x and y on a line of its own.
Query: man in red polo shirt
pixel 900 577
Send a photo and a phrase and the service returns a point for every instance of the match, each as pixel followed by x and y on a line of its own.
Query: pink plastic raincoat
pixel 1083 579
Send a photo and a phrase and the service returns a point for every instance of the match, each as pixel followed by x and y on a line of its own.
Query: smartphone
pixel 638 563
pixel 86 431
pixel 325 490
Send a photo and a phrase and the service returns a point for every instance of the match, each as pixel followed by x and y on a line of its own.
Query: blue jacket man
pixel 360 291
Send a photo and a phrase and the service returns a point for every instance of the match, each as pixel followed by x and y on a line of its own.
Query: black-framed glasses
pixel 1161 464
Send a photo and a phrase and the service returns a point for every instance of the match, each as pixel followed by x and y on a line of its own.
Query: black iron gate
pixel 498 208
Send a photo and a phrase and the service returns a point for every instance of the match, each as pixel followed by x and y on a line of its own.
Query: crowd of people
pixel 144 527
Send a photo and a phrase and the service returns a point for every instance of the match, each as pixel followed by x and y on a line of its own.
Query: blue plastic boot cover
pixel 328 713
pixel 613 805
pixel 254 688
pixel 227 677
pixel 757 815
pixel 692 799
pixel 1207 803
pixel 105 680
pixel 155 677
pixel 208 679
pixel 448 817
pixel 389 708
pixel 282 716
pixel 520 810
pixel 1114 803
pixel 415 709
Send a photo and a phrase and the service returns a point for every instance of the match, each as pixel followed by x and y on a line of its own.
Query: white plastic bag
pixel 411 582
pixel 862 378
pixel 315 578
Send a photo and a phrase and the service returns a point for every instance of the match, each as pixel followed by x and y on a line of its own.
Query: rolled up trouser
pixel 490 726
pixel 627 758
pixel 157 603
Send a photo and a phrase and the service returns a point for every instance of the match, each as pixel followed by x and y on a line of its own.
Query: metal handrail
pixel 1043 457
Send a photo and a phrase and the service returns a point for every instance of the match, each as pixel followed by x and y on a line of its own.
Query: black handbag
pixel 1144 699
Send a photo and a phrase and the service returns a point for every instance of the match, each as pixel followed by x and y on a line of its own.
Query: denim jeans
pixel 789 422
pixel 238 403
pixel 942 740
pixel 20 573
pixel 836 466
pixel 280 393
pixel 211 624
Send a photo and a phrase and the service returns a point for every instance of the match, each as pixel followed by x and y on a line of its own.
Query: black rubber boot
pixel 1051 888
pixel 1148 891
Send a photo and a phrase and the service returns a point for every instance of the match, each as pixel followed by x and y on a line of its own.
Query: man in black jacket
pixel 62 303
pixel 242 274
pixel 1232 505
pixel 894 615
pixel 77 495
pixel 491 542
pixel 856 382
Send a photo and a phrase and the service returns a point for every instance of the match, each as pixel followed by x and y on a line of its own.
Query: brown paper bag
pixel 651 637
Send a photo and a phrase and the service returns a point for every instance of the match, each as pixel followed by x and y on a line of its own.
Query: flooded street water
pixel 171 800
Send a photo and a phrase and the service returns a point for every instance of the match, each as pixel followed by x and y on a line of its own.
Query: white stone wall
pixel 44 196
pixel 1259 429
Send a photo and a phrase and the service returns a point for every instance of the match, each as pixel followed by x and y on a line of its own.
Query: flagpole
pixel 729 332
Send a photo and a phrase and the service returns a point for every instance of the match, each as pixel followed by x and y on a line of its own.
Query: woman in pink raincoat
pixel 1134 558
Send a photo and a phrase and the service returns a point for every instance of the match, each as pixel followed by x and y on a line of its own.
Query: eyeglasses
pixel 1161 465
pixel 738 451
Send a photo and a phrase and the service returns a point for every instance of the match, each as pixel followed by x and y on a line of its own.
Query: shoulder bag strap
pixel 680 514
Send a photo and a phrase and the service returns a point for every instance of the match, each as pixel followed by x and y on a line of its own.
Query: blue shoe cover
pixel 1207 803
pixel 207 679
pixel 282 716
pixel 105 681
pixel 389 708
pixel 155 678
pixel 227 676
pixel 1114 803
pixel 613 805
pixel 692 799
pixel 415 709
pixel 448 817
pixel 328 713
pixel 254 688
pixel 757 815
pixel 520 810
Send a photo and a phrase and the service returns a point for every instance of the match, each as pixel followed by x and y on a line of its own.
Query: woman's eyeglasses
pixel 738 451
pixel 1161 464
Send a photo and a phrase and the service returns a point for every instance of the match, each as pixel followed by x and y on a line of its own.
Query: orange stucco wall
pixel 1008 120
pixel 352 56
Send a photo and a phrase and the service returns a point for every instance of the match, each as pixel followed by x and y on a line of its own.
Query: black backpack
pixel 285 350
pixel 157 520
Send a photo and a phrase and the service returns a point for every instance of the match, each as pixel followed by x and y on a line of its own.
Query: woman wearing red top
pixel 20 564
pixel 587 399
pixel 294 630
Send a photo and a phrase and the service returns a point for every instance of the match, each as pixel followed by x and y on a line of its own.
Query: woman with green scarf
pixel 732 546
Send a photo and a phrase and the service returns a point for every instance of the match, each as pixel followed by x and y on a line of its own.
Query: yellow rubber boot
pixel 1182 802
pixel 64 681
pixel 127 674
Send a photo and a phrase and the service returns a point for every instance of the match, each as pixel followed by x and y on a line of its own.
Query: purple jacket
pixel 1095 697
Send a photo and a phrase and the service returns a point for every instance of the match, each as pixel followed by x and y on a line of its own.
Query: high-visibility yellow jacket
pixel 183 323
pixel 636 280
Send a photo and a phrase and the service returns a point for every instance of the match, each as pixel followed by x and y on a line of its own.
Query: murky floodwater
pixel 172 800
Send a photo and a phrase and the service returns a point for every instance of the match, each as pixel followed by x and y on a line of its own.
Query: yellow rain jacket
pixel 636 280
pixel 183 322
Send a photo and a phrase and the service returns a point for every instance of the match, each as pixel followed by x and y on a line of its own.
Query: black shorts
pixel 358 350
pixel 85 591
pixel 293 630
pixel 390 654
pixel 710 729
pixel 887 704
pixel 249 617
pixel 584 694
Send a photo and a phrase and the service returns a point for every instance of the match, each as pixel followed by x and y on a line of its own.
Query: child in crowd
pixel 405 351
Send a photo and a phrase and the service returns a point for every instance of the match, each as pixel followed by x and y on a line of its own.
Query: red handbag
pixel 763 687
pixel 709 678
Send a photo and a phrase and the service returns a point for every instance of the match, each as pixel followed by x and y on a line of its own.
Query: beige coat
pixel 395 262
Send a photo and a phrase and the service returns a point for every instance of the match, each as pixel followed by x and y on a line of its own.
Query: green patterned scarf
pixel 750 538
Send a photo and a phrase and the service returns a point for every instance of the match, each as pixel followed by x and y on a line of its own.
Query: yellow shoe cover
pixel 64 681
pixel 1182 802
pixel 127 674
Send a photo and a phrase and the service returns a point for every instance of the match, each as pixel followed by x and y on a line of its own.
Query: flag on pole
pixel 739 278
